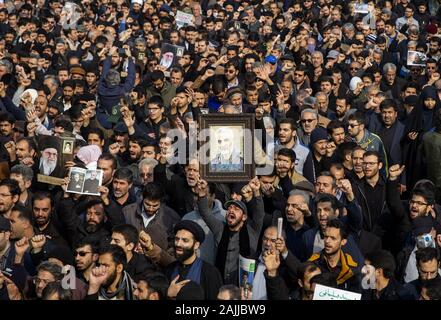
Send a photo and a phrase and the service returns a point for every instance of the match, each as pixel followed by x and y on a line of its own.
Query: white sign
pixel 183 19
pixel 361 8
pixel 328 293
pixel 416 58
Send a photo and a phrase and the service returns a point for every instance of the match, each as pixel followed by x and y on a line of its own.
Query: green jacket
pixel 167 93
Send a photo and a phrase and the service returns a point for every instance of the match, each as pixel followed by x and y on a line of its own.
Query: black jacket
pixel 210 281
pixel 75 226
pixel 139 265
pixel 393 291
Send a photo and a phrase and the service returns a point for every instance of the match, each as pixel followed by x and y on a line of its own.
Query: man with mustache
pixel 43 212
pixel 122 191
pixel 334 260
pixel 240 234
pixel 9 196
pixel 153 215
pixel 109 280
pixel 188 266
pixel 102 214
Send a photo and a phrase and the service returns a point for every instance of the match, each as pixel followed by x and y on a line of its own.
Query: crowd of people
pixel 351 124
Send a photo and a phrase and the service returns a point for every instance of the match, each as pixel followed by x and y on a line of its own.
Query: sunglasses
pixel 81 253
pixel 307 120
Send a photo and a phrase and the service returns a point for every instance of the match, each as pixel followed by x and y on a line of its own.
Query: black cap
pixel 305 186
pixel 192 227
pixel 411 100
pixel 422 225
pixel 120 128
pixel 5 224
pixel 191 291
pixel 288 56
pixel 237 203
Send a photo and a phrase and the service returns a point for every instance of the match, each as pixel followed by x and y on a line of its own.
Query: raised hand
pixel 104 194
pixel 38 242
pixel 247 192
pixel 281 246
pixel 146 242
pixel 97 277
pixel 28 161
pixel 175 287
pixel 271 259
pixel 255 186
pixel 21 247
pixel 208 73
pixel 395 171
pixel 346 187
pixel 10 147
pixel 114 148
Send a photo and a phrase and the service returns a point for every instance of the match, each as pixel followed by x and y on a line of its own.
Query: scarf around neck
pixel 126 286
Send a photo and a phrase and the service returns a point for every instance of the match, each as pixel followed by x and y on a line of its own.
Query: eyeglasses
pixel 370 164
pixel 307 120
pixel 81 253
pixel 418 203
pixel 353 125
pixel 36 281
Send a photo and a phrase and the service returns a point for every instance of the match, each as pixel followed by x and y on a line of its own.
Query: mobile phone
pixel 425 241
pixel 6 273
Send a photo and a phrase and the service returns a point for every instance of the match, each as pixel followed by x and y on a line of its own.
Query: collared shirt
pixel 146 219
pixel 233 84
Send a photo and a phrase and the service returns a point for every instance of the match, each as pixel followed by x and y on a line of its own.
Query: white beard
pixel 46 166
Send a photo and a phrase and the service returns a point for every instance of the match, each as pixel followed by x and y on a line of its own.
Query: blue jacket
pixel 109 96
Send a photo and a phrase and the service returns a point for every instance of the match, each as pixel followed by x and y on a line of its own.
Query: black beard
pixel 92 228
pixel 185 255
pixel 110 280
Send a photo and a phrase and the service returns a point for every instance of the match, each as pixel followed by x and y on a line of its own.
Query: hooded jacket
pixel 109 95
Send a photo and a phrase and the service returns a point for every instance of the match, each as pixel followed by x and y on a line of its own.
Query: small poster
pixel 51 163
pixel 84 181
pixel 184 19
pixel 361 8
pixel 416 58
pixel 67 149
pixel 170 55
pixel 328 293
pixel 247 268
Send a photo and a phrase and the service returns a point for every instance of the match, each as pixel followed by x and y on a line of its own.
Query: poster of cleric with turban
pixel 51 166
pixel 170 54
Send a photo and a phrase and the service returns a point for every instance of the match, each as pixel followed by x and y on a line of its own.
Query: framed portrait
pixel 67 149
pixel 170 55
pixel 51 166
pixel 227 147
pixel 76 180
pixel 84 181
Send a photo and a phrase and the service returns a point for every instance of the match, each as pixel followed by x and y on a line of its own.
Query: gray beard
pixel 47 167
